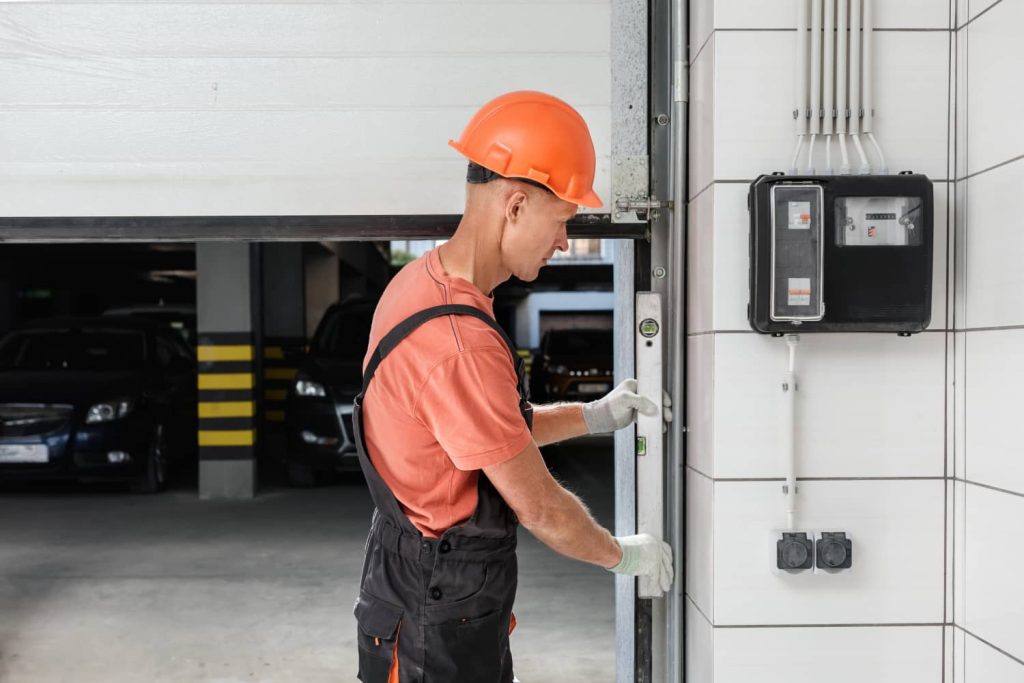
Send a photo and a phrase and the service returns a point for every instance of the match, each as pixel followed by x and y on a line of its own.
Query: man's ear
pixel 514 206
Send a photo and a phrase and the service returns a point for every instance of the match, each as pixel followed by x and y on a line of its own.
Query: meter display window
pixel 879 221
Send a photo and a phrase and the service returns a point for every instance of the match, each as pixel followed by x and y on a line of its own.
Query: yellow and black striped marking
pixel 279 359
pixel 227 407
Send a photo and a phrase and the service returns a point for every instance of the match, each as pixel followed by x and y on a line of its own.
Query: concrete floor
pixel 99 585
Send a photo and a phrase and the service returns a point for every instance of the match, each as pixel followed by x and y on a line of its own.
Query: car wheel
pixel 301 476
pixel 154 478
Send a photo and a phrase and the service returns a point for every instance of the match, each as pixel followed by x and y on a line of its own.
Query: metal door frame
pixel 650 83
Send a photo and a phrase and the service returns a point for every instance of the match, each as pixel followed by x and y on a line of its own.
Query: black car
pixel 572 365
pixel 179 317
pixel 318 411
pixel 96 399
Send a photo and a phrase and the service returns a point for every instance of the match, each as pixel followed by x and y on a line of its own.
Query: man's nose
pixel 562 243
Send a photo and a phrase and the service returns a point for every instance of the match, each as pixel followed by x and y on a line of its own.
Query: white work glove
pixel 644 555
pixel 618 408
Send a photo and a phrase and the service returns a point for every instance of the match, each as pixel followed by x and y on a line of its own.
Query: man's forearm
pixel 557 422
pixel 567 527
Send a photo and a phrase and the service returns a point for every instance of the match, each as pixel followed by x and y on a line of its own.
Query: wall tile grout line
pixel 782 479
pixel 996 328
pixel 744 181
pixel 980 15
pixel 991 168
pixel 696 471
pixel 700 50
pixel 990 487
pixel 930 330
pixel 699 610
pixel 700 192
pixel 935 624
pixel 887 29
pixel 950 249
pixel 982 640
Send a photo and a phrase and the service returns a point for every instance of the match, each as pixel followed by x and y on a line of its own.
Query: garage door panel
pixel 235 188
pixel 302 28
pixel 395 81
pixel 185 108
pixel 300 136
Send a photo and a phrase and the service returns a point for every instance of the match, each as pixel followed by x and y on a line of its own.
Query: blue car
pixel 96 399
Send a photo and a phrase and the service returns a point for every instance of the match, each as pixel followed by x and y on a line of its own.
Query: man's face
pixel 535 230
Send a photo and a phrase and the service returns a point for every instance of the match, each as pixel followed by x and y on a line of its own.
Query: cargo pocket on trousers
pixel 379 624
pixel 467 650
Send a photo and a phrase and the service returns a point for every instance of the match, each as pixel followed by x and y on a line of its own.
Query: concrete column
pixel 227 321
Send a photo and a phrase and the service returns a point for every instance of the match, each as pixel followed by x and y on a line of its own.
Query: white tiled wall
pixel 988 508
pixel 911 445
pixel 897 577
pixel 840 655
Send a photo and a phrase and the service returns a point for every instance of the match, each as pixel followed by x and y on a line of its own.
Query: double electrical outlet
pixel 830 550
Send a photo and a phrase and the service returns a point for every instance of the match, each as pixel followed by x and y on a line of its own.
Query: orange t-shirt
pixel 444 403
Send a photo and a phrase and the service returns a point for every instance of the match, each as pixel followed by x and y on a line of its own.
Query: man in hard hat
pixel 446 436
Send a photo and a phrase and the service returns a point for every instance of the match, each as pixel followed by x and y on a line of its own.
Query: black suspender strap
pixel 407 326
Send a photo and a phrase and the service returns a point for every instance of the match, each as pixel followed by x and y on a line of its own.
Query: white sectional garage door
pixel 273 108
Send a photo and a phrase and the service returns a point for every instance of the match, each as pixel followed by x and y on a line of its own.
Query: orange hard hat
pixel 534 136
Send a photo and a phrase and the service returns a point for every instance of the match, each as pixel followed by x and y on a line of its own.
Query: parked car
pixel 96 399
pixel 318 409
pixel 179 317
pixel 572 365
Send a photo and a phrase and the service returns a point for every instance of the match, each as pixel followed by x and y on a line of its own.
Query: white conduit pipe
pixel 789 387
pixel 869 102
pixel 829 81
pixel 801 87
pixel 815 80
pixel 842 64
pixel 855 47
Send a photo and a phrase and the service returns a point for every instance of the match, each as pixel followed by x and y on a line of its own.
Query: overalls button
pixel 435 593
pixel 445 546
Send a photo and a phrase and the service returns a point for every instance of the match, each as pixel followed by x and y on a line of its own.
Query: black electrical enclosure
pixel 840 253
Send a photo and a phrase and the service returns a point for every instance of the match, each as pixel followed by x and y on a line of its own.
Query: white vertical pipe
pixel 815 81
pixel 803 48
pixel 866 89
pixel 829 81
pixel 855 66
pixel 842 64
pixel 869 90
pixel 816 67
pixel 855 82
pixel 789 388
pixel 800 87
pixel 828 74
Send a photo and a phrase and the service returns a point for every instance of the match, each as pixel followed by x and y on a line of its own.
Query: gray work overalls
pixel 441 607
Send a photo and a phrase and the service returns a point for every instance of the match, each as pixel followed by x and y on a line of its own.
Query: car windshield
pixel 344 334
pixel 73 349
pixel 580 342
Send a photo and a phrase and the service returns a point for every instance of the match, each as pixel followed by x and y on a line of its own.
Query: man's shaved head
pixel 527 222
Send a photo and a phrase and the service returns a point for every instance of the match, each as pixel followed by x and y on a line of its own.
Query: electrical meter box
pixel 840 253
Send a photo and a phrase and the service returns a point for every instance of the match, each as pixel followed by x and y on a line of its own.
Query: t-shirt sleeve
pixel 470 403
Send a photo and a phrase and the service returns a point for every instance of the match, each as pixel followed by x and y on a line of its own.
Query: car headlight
pixel 307 387
pixel 109 410
pixel 560 369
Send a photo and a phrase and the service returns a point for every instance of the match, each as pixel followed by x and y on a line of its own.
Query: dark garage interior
pixel 241 560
